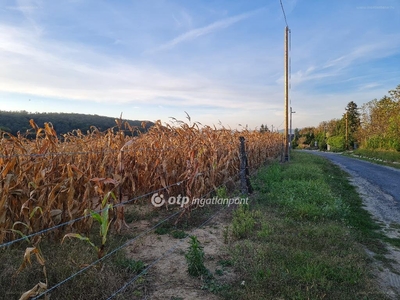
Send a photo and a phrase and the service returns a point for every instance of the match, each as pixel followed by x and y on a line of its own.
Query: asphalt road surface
pixel 386 178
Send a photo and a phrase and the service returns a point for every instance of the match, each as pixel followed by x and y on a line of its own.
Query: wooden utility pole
pixel 291 138
pixel 286 138
pixel 347 133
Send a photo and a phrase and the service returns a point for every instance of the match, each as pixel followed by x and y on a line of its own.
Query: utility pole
pixel 347 133
pixel 291 138
pixel 286 64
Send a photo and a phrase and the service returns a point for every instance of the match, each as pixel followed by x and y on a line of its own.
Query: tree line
pixel 16 122
pixel 374 125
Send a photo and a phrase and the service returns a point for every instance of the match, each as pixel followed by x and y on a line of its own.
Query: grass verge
pixel 303 236
pixel 61 261
pixel 379 156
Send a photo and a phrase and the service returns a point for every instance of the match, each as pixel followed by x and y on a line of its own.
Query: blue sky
pixel 221 60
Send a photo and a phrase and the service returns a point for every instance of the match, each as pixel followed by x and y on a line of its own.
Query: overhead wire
pixel 284 14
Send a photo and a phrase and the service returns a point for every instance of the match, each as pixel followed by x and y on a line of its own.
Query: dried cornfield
pixel 50 179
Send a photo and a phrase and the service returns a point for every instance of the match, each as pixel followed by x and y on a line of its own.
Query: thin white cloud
pixel 364 51
pixel 195 33
pixel 35 66
pixel 183 19
pixel 29 8
pixel 332 64
pixel 369 86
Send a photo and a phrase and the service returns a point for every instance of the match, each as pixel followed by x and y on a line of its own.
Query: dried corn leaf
pixel 35 291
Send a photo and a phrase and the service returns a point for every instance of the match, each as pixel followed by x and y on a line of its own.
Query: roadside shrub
pixel 337 143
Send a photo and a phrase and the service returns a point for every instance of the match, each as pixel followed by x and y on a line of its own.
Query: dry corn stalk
pixel 49 180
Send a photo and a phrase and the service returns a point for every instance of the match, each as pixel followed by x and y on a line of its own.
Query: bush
pixel 337 143
pixel 243 222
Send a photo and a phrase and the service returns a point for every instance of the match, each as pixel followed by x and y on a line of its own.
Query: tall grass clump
pixel 303 191
pixel 379 154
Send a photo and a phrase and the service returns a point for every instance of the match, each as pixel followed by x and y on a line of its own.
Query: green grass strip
pixel 303 236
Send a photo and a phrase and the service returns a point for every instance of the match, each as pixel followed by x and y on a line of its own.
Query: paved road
pixel 386 178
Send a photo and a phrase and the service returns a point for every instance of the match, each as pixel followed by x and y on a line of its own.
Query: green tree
pixel 305 137
pixel 395 94
pixel 337 143
pixel 353 122
pixel 381 122
pixel 296 137
pixel 18 121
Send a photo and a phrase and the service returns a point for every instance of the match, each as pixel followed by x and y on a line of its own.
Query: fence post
pixel 245 184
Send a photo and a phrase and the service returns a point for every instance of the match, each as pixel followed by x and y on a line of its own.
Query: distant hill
pixel 18 121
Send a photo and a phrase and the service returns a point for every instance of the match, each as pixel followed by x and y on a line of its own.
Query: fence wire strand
pixel 125 245
pixel 106 256
pixel 88 215
pixel 166 253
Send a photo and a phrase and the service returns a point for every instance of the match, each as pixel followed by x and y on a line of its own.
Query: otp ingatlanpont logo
pixel 157 200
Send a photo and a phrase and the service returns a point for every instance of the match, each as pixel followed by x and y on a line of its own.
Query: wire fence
pixel 105 256
pixel 49 154
pixel 46 230
pixel 86 216
pixel 34 155
pixel 166 254
pixel 129 242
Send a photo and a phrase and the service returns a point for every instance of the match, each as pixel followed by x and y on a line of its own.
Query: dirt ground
pixel 384 210
pixel 168 277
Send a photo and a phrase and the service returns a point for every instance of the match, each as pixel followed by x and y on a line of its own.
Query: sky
pixel 221 61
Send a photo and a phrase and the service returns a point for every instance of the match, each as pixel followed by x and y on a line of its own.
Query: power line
pixel 284 15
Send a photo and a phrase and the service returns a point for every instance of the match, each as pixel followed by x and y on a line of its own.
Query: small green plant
pixel 265 231
pixel 179 234
pixel 219 272
pixel 222 193
pixel 138 293
pixel 211 284
pixel 134 266
pixel 163 229
pixel 195 258
pixel 103 219
pixel 243 222
pixel 226 263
